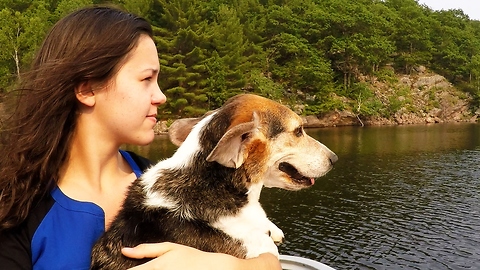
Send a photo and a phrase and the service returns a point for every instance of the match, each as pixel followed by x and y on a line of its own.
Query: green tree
pixel 64 7
pixel 293 58
pixel 21 32
pixel 455 44
pixel 412 34
pixel 228 63
pixel 139 7
pixel 357 40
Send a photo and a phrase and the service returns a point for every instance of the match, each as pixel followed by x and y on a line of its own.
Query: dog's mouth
pixel 295 175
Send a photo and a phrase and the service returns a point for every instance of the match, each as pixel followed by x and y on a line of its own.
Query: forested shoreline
pixel 325 55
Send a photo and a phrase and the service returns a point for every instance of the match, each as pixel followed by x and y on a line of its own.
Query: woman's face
pixel 127 107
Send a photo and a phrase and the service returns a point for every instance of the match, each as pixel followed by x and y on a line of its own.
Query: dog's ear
pixel 229 151
pixel 179 130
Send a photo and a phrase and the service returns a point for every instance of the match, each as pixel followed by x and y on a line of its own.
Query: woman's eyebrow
pixel 154 70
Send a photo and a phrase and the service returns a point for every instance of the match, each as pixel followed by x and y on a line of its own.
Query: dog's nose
pixel 333 158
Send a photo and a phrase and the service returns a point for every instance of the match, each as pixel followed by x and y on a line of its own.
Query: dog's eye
pixel 298 131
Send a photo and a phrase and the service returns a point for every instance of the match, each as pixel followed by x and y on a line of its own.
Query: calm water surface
pixel 403 197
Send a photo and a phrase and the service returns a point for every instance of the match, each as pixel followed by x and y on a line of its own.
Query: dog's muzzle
pixel 294 174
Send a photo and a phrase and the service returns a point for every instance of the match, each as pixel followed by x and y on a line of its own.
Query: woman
pixel 92 87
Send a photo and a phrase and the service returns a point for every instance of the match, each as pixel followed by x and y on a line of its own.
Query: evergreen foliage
pixel 298 51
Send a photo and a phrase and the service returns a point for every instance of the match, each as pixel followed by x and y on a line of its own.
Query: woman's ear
pixel 84 93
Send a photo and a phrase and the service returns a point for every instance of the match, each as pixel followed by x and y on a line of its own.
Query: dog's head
pixel 260 136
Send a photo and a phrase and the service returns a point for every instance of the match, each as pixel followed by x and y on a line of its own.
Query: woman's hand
pixel 174 256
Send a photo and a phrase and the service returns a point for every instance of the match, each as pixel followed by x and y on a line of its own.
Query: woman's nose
pixel 158 97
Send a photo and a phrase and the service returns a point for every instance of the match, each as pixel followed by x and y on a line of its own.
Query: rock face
pixel 423 98
pixel 332 119
pixel 161 127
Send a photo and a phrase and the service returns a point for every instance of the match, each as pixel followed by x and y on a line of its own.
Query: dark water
pixel 403 197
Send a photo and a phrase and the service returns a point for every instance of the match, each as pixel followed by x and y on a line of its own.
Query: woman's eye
pixel 148 79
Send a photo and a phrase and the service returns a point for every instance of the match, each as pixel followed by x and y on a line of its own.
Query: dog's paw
pixel 277 236
pixel 259 244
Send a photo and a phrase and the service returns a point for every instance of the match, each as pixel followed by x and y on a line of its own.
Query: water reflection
pixel 403 197
pixel 399 139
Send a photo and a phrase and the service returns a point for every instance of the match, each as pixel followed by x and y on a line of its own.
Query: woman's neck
pixel 96 172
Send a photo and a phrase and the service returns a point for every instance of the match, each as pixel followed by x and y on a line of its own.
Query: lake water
pixel 400 197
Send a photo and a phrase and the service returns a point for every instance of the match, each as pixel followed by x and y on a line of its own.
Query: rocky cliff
pixel 420 99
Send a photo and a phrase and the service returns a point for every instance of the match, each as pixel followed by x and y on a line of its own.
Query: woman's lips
pixel 152 117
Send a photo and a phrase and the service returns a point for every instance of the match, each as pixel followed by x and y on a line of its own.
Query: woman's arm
pixel 175 256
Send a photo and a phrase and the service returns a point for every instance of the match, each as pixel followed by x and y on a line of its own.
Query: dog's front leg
pixel 253 228
pixel 275 233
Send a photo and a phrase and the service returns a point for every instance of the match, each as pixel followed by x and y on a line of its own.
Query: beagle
pixel 207 194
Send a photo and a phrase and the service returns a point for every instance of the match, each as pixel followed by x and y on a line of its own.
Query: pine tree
pixel 181 39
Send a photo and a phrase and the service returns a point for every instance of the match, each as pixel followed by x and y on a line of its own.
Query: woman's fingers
pixel 147 250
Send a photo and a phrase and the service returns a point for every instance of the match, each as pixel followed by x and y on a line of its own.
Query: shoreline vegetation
pixel 334 62
pixel 426 98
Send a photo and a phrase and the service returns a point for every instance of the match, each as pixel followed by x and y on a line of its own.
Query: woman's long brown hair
pixel 87 45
